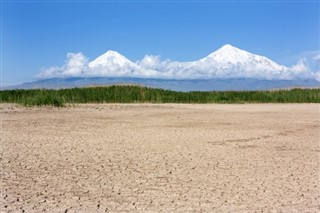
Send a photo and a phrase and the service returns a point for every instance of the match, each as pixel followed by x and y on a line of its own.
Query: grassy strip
pixel 137 94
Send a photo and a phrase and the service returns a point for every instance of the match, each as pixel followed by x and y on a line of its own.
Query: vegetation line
pixel 137 94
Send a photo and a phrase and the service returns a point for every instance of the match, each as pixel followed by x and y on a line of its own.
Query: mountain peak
pixel 110 57
pixel 229 54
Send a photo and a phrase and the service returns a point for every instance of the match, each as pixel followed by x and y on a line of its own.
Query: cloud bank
pixel 227 62
pixel 76 65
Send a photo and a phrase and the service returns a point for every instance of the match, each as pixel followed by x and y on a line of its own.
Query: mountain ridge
pixel 226 62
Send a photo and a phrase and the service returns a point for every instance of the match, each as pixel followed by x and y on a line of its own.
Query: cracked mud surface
pixel 161 158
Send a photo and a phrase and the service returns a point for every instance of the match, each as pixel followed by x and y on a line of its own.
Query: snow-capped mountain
pixel 230 55
pixel 111 58
pixel 113 64
pixel 226 62
pixel 234 62
pixel 231 62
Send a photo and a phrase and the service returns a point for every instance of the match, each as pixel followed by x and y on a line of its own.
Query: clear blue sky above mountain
pixel 40 34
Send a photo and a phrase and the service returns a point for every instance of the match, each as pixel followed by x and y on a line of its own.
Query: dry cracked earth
pixel 161 158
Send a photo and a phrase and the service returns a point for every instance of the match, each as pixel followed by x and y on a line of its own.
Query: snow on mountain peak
pixel 111 58
pixel 230 54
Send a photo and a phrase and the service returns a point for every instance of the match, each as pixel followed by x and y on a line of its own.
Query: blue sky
pixel 36 35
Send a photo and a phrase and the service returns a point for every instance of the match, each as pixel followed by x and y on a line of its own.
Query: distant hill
pixel 176 85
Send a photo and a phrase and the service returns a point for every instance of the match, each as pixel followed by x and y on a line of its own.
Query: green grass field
pixel 137 94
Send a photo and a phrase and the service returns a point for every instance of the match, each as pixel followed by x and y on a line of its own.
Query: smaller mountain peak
pixel 109 58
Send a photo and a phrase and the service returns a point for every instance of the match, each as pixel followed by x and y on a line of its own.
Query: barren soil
pixel 161 158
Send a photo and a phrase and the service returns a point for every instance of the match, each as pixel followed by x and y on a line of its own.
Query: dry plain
pixel 161 158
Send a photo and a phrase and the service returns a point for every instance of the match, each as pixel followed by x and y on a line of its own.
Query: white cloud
pixel 301 68
pixel 75 66
pixel 50 72
pixel 153 63
pixel 150 62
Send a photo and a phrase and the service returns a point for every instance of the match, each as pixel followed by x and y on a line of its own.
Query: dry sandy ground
pixel 161 158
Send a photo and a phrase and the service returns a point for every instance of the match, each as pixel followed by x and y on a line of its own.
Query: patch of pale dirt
pixel 161 158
